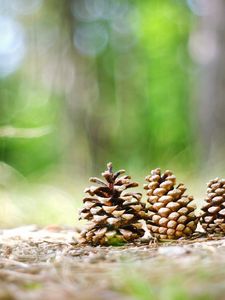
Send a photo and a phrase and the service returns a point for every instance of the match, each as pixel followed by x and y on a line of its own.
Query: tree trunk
pixel 208 48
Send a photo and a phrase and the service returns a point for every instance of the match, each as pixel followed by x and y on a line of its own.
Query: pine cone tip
pixel 109 167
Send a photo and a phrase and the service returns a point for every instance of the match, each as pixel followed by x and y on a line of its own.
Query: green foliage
pixel 29 107
pixel 136 286
pixel 32 286
pixel 116 241
pixel 148 112
pixel 131 103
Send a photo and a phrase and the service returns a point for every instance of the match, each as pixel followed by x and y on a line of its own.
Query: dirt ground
pixel 49 264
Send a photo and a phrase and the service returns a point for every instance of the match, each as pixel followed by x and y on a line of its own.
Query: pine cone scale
pixel 170 212
pixel 213 212
pixel 112 212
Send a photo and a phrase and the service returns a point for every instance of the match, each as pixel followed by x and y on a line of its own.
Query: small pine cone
pixel 213 216
pixel 170 213
pixel 112 212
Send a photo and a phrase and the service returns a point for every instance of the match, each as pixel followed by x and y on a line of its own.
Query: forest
pixel 87 82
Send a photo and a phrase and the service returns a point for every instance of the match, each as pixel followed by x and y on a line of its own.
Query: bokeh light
pixel 200 7
pixel 203 47
pixel 25 6
pixel 12 45
pixel 91 39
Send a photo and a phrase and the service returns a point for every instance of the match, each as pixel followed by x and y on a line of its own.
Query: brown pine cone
pixel 112 212
pixel 170 213
pixel 213 217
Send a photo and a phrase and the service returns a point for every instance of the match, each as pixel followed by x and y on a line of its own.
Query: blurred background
pixel 83 82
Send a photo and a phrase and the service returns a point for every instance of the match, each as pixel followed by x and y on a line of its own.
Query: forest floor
pixel 48 264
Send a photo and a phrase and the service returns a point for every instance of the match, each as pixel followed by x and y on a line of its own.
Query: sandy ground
pixel 49 264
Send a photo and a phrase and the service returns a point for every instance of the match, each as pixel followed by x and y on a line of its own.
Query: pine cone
pixel 170 213
pixel 213 217
pixel 113 214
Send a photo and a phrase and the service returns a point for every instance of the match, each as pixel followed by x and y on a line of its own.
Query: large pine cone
pixel 213 217
pixel 113 213
pixel 170 213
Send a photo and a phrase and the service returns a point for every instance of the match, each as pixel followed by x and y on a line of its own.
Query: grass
pixel 138 287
